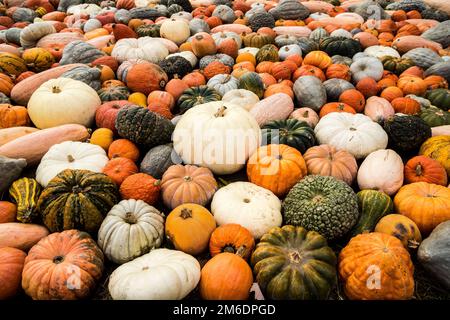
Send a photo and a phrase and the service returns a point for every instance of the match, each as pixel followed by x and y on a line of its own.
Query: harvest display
pixel 224 149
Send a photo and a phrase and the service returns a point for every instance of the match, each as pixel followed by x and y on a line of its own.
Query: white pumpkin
pixel 381 51
pixel 218 135
pixel 145 48
pixel 241 97
pixel 251 50
pixel 288 50
pixel 223 83
pixel 131 228
pixel 175 30
pixel 161 274
pixel 188 55
pixel 63 101
pixel 355 133
pixel 70 155
pixel 382 170
pixel 219 37
pixel 249 205
pixel 341 33
pixel 367 67
pixel 89 9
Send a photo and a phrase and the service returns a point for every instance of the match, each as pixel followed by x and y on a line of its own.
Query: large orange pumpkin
pixel 146 77
pixel 340 71
pixel 141 186
pixel 232 238
pixel 11 265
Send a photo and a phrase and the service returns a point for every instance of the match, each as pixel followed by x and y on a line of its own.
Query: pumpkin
pixel 226 277
pixel 366 67
pixel 424 203
pixel 61 209
pixel 13 116
pixel 79 51
pixel 8 211
pixel 439 98
pixel 396 65
pixel 146 77
pixel 378 109
pixel 435 82
pixel 435 117
pixel 106 114
pixel 287 261
pixel 38 59
pixel 412 85
pixel 141 186
pixel 123 148
pixel 391 93
pixel 368 87
pixel 192 129
pixel 146 48
pixel 131 228
pixel 6 84
pixel 223 83
pixel 318 59
pixel 343 46
pixel 56 257
pixel 25 193
pixel 268 52
pixel 11 266
pixel 424 169
pixel 118 169
pixel 305 114
pixel 325 160
pixel 251 81
pixel 195 96
pixel 355 133
pixel 437 148
pixel 402 228
pixel 158 160
pixel 11 65
pixel 231 238
pixel 176 65
pixel 22 236
pixel 161 98
pixel 152 276
pixel 353 98
pixel 376 266
pixel 406 106
pixel 175 30
pixel 339 71
pixel 335 107
pixel 310 92
pixel 245 98
pixel 423 57
pixel 203 44
pixel 113 93
pixel 102 137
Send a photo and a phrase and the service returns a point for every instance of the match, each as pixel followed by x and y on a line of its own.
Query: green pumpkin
pixel 292 132
pixel 176 65
pixel 267 53
pixel 256 40
pixel 292 263
pixel 251 81
pixel 340 46
pixel 197 95
pixel 158 159
pixel 439 98
pixel 435 117
pixel 396 65
pixel 112 93
pixel 77 199
pixel 307 45
pixel 143 126
pixel 261 19
pixel 406 133
pixel 148 30
pixel 323 204
pixel 373 205
pixel 25 193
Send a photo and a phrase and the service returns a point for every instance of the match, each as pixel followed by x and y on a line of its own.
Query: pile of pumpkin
pixel 340 139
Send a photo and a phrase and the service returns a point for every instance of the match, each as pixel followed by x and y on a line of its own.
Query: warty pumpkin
pixel 231 238
pixel 25 193
pixel 402 228
pixel 424 169
pixel 11 266
pixel 38 59
pixel 141 186
pixel 123 148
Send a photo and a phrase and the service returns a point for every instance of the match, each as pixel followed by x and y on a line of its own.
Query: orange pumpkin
pixel 335 107
pixel 141 186
pixel 435 82
pixel 246 56
pixel 354 99
pixel 408 30
pixel 118 169
pixel 399 15
pixel 424 169
pixel 402 228
pixel 247 65
pixel 232 238
pixel 203 44
pixel 11 266
pixel 189 227
pixel 146 77
pixel 276 167
pixel 368 87
pixel 228 46
pixel 161 110
pixel 215 68
pixel 406 105
pixel 340 71
pixel 414 14
pixel 281 71
pixel 123 148
pixel 414 71
pixel 307 70
pixel 264 67
pixel 319 59
pixel 8 211
pixel 161 98
pixel 296 58
pixel 391 93
pixel 386 82
pixel 176 87
pixel 412 85
pixel 194 79
pixel 6 84
pixel 279 88
pixel 13 116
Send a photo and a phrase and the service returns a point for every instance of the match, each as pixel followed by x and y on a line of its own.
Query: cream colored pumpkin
pixel 70 155
pixel 378 108
pixel 145 48
pixel 218 135
pixel 366 67
pixel 131 228
pixel 249 205
pixel 63 101
pixel 355 133
pixel 89 9
pixel 162 274
pixel 382 170
pixel 241 97
pixel 175 30
pixel 381 51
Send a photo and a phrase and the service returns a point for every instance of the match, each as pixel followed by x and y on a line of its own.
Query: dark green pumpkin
pixel 77 199
pixel 307 45
pixel 268 52
pixel 148 30
pixel 261 19
pixel 174 8
pixel 435 117
pixel 197 95
pixel 439 98
pixel 340 46
pixel 292 132
pixel 373 205
pixel 25 193
pixel 292 263
pixel 158 159
pixel 396 65
pixel 251 81
pixel 143 126
pixel 256 40
pixel 113 93
pixel 176 65
pixel 406 133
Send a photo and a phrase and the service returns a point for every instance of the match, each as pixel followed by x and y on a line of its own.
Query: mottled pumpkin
pixel 438 148
pixel 402 228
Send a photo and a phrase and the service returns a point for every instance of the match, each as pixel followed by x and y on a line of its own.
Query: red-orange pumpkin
pixel 118 169
pixel 141 186
pixel 424 169
pixel 11 265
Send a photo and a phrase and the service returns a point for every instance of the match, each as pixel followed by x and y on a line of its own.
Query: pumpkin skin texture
pixel 132 228
pixel 50 264
pixel 424 169
pixel 62 209
pixel 376 252
pixel 226 277
pixel 158 160
pixel 276 168
pixel 291 263
pixel 325 160
pixel 11 266
pixel 323 204
pixel 402 228
pixel 141 186
pixel 195 96
pixel 161 274
pixel 189 227
pixel 118 169
pixel 123 148
pixel 438 148
pixel 8 211
pixel 231 238
pixel 424 203
pixel 146 77
pixel 187 184
pixel 13 116
pixel 25 193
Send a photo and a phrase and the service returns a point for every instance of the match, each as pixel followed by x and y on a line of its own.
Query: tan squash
pixel 9 134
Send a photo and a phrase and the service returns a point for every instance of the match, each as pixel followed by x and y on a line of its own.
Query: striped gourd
pixel 11 64
pixel 373 205
pixel 25 193
pixel 77 199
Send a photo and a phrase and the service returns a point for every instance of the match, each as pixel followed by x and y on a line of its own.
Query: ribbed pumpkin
pixel 6 84
pixel 11 265
pixel 412 85
pixel 376 266
pixel 123 148
pixel 197 95
pixel 25 193
pixel 146 77
pixel 293 263
pixel 13 116
pixel 335 107
pixel 141 186
pixel 396 65
pixel 317 59
pixel 11 64
pixel 402 228
pixel 268 52
pixel 38 59
pixel 439 98
pixel 438 148
pixel 187 184
pixel 252 81
pixel 424 169
pixel 435 117
pixel 342 46
pixel 354 99
pixel 112 93
pixel 406 105
pixel 77 199
pixel 118 169
pixel 232 238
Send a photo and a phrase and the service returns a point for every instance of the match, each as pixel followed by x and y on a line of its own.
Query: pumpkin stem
pixel 186 213
pixel 157 183
pixel 70 158
pixel 187 178
pixel 295 256
pixel 220 112
pixel 246 200
pixel 56 89
pixel 305 114
pixel 413 244
pixel 241 251
pixel 419 170
pixel 58 259
pixel 130 218
pixel 229 248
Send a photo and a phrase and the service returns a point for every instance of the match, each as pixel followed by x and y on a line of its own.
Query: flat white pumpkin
pixel 63 101
pixel 241 97
pixel 145 48
pixel 131 228
pixel 161 274
pixel 355 133
pixel 217 135
pixel 70 155
pixel 175 30
pixel 249 205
